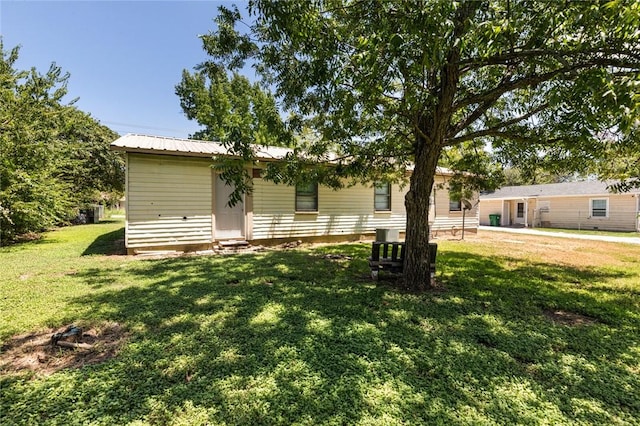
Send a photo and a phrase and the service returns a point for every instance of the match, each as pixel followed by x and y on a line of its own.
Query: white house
pixel 176 200
pixel 572 205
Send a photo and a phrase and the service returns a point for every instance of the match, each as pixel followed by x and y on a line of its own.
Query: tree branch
pixel 606 57
pixel 481 109
pixel 527 81
pixel 450 75
pixel 494 132
pixel 501 125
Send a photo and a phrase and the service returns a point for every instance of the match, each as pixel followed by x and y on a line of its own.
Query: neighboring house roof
pixel 564 189
pixel 195 148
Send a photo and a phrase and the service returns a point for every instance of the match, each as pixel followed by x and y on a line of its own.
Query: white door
pixel 520 212
pixel 229 220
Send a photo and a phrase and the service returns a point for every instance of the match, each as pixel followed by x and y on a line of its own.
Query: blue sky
pixel 124 57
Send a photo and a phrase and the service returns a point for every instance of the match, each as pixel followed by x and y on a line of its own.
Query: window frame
pixel 520 214
pixel 387 196
pixel 458 205
pixel 308 195
pixel 606 208
pixel 544 206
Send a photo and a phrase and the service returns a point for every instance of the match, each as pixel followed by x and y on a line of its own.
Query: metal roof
pixel 195 148
pixel 187 147
pixel 582 188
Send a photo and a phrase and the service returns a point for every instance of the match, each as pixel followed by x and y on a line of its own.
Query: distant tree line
pixel 54 158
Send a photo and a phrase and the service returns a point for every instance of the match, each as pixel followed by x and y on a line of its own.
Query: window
pixel 307 197
pixel 600 207
pixel 520 212
pixel 455 205
pixel 382 197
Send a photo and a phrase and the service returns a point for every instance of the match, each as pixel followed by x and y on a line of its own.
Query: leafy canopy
pixel 369 77
pixel 54 158
pixel 235 112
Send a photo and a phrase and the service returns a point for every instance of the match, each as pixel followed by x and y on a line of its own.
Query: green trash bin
pixel 494 219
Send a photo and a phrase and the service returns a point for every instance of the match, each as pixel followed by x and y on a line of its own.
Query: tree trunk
pixel 416 268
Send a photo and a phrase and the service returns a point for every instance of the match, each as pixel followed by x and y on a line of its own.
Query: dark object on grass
pixel 393 260
pixel 337 257
pixel 71 331
pixel 73 345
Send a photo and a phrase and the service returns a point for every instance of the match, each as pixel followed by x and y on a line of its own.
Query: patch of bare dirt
pixel 569 318
pixel 35 351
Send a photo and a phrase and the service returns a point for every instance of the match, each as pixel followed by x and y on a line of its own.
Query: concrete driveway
pixel 529 231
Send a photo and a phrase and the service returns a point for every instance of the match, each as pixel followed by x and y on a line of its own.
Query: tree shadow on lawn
pixel 531 286
pixel 291 336
pixel 27 243
pixel 111 243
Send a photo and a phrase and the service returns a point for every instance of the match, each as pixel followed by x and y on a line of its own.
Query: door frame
pixel 215 207
pixel 520 220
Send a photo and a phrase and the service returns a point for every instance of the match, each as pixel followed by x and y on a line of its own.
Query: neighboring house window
pixel 307 197
pixel 455 205
pixel 382 197
pixel 600 207
pixel 520 212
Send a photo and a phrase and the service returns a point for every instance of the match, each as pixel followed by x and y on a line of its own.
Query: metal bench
pixel 389 256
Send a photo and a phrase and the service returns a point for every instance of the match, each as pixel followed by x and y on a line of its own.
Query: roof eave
pixel 596 194
pixel 180 153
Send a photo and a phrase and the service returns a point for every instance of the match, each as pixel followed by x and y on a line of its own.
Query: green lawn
pixel 109 213
pixel 292 337
pixel 592 232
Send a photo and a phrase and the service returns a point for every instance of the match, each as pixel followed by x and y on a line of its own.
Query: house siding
pixel 488 207
pixel 161 192
pixel 441 218
pixel 344 212
pixel 169 203
pixel 574 213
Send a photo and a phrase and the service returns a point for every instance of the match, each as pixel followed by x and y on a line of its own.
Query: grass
pixel 293 337
pixel 592 232
pixel 110 213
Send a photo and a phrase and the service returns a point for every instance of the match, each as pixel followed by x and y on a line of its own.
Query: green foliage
pixel 473 170
pixel 91 169
pixel 299 337
pixel 514 176
pixel 621 160
pixel 31 196
pixel 54 157
pixel 530 76
pixel 389 85
pixel 235 112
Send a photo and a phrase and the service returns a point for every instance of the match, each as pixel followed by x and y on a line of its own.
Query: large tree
pixel 53 157
pixel 387 85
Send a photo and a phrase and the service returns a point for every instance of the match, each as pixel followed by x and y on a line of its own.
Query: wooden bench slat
pixel 380 258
